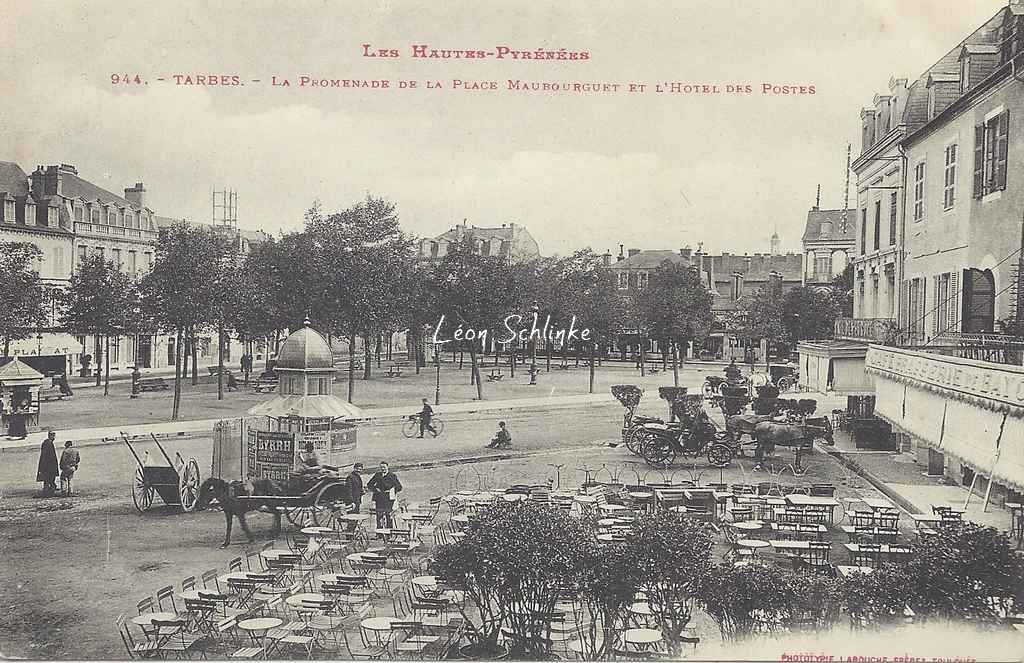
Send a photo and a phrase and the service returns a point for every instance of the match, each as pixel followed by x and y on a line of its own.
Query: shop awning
pixel 51 343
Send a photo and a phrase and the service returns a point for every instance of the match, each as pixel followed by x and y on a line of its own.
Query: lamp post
pixel 437 381
pixel 39 344
pixel 533 345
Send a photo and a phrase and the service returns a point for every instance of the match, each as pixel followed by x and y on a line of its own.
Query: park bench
pixel 215 369
pixel 495 375
pixel 153 384
pixel 562 367
pixel 265 383
pixel 394 371
pixel 51 393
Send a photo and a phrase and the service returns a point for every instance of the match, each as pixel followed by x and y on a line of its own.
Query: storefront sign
pixel 993 386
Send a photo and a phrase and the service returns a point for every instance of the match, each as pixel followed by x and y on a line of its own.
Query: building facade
pixel 829 243
pixel 953 385
pixel 511 241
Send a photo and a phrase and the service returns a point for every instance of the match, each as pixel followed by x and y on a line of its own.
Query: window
pixel 822 268
pixel 111 216
pixel 101 252
pixel 941 304
pixel 79 214
pixel 878 223
pixel 892 218
pixel 147 261
pixel 115 255
pixel 642 279
pixel 115 349
pixel 949 178
pixel 95 216
pixel 51 217
pixel 129 220
pixel 58 262
pixel 990 152
pixel 9 211
pixel 874 296
pixel 83 253
pixel 863 230
pixel 623 280
pixel 131 262
pixel 913 305
pixel 919 192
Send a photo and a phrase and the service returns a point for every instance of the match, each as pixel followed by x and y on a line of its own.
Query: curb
pixel 880 485
pixel 468 460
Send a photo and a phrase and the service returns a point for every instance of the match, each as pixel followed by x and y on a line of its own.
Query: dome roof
pixel 305 349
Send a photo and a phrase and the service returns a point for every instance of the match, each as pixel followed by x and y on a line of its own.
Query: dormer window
pixel 51 217
pixel 8 210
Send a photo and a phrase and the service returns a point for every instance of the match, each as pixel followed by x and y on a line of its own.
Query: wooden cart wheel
pixel 331 502
pixel 142 492
pixel 188 485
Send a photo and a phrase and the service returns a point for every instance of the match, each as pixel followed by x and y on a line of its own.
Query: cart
pixel 177 483
pixel 317 504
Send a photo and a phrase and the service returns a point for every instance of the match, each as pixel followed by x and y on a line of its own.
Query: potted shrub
pixel 607 582
pixel 747 598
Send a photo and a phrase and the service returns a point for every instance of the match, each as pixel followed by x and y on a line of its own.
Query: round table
pixel 234 575
pixel 316 531
pixel 378 626
pixel 257 627
pixel 428 582
pixel 752 544
pixel 148 618
pixel 354 517
pixel 585 499
pixel 640 495
pixel 193 594
pixel 337 577
pixel 296 600
pixel 643 638
pixel 465 493
pixel 748 525
pixel 275 553
pixel 514 497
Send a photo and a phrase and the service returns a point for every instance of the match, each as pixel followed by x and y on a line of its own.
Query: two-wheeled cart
pixel 177 483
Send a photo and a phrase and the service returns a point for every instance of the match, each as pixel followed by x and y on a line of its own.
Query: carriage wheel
pixel 332 501
pixel 785 384
pixel 719 454
pixel 658 451
pixel 636 438
pixel 142 492
pixel 188 485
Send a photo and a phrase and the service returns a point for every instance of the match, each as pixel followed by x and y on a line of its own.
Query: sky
pixel 644 169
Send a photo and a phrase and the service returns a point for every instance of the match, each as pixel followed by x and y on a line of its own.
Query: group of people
pixel 383 486
pixel 49 469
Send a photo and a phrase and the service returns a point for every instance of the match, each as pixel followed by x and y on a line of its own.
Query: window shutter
pixel 935 305
pixel 979 161
pixel 953 311
pixel 922 308
pixel 1002 146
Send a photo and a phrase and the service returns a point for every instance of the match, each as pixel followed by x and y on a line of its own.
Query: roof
pixel 13 179
pixel 305 349
pixel 307 407
pixel 505 232
pixel 816 217
pixel 943 77
pixel 650 259
pixel 17 371
pixel 980 48
pixel 73 186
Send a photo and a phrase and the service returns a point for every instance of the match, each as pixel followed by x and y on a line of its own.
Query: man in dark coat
pixel 354 481
pixel 385 487
pixel 48 470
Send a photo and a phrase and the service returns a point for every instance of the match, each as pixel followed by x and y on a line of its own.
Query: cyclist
pixel 426 414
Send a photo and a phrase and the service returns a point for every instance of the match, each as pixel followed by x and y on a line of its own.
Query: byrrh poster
pixel 668 329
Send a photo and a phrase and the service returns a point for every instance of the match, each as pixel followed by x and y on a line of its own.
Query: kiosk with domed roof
pixel 270 442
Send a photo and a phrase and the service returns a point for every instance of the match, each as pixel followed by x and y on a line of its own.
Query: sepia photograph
pixel 554 330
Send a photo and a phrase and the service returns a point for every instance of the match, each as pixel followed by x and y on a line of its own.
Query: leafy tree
pixel 808 313
pixel 744 599
pixel 21 292
pixel 183 290
pixel 99 302
pixel 842 291
pixel 608 581
pixel 675 307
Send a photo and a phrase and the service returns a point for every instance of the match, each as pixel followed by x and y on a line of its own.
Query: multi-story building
pixel 955 390
pixel 511 241
pixel 829 242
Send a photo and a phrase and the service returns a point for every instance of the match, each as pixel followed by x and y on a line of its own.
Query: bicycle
pixel 411 428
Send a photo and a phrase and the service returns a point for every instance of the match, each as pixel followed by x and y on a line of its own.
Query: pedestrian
pixel 354 481
pixel 16 427
pixel 232 384
pixel 502 439
pixel 246 365
pixel 47 470
pixel 69 461
pixel 426 414
pixel 385 487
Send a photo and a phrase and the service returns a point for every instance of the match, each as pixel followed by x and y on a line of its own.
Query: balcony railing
pixel 992 348
pixel 870 330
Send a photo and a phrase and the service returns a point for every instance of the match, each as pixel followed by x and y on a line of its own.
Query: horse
pixel 231 497
pixel 770 434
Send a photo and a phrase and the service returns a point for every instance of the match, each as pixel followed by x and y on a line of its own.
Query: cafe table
pixel 296 600
pixel 886 550
pixel 514 497
pixel 276 553
pixel 258 627
pixel 877 503
pixel 752 544
pixel 317 531
pixel 846 570
pixel 799 499
pixel 379 628
pixel 785 545
pixel 747 525
pixel 145 621
pixel 641 639
pixel 234 575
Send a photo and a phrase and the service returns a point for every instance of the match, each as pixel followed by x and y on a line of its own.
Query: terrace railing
pixel 885 331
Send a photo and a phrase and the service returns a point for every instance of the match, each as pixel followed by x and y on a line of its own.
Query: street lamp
pixel 533 345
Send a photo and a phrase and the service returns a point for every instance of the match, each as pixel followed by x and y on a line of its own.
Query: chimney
pixel 817 200
pixel 607 258
pixel 136 195
pixel 633 252
pixel 621 256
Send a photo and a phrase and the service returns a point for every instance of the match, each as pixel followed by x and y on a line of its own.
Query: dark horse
pixel 236 498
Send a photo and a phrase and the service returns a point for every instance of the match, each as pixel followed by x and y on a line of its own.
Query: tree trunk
pixel 391 340
pixel 462 356
pixel 99 373
pixel 367 356
pixel 592 346
pixel 547 355
pixel 643 355
pixel 178 340
pixel 220 362
pixel 106 367
pixel 351 366
pixel 675 364
pixel 195 359
pixel 379 343
pixel 415 338
pixel 7 346
pixel 512 361
pixel 476 373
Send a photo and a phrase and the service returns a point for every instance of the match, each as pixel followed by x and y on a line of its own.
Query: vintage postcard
pixel 512 331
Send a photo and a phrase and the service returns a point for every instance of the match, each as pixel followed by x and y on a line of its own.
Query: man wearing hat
pixel 354 481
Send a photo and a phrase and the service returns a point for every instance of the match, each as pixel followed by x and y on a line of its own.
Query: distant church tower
pixel 775 243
